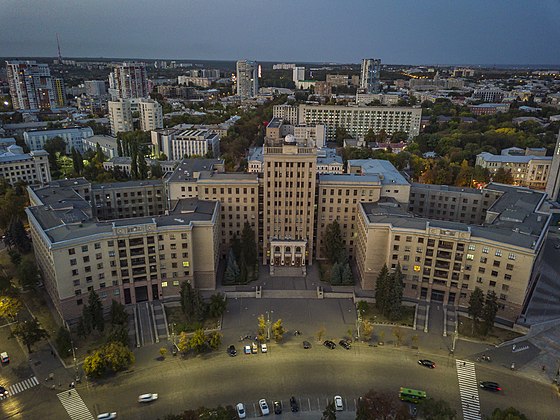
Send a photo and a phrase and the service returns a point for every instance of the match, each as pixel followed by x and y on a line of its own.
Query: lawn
pixel 374 315
pixel 176 316
pixel 495 336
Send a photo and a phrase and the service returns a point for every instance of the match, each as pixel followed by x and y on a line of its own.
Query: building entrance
pixel 141 293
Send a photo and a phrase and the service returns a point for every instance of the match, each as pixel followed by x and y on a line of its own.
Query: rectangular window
pixel 472 247
pixel 498 253
pixel 71 251
pixel 485 250
pixel 470 257
pixel 511 256
pixel 84 248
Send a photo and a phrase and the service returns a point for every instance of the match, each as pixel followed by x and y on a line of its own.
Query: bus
pixel 411 395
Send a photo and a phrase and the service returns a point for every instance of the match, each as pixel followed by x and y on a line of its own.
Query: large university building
pixel 138 241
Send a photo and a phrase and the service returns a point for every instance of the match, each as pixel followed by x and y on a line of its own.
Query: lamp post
pixel 75 360
pixel 268 325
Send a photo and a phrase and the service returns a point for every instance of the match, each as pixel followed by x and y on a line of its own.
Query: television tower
pixel 58 45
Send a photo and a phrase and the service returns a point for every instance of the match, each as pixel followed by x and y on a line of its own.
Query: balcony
pixel 430 253
pixel 445 245
pixel 459 256
pixel 440 282
pixel 138 261
pixel 122 253
pixel 138 271
pixel 441 274
pixel 137 251
pixel 444 254
pixel 136 242
pixel 443 264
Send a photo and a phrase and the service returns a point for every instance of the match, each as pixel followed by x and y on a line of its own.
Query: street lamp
pixel 75 360
pixel 268 324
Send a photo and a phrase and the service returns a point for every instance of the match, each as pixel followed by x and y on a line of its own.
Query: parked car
pixel 247 349
pixel 254 348
pixel 306 345
pixel 144 398
pixel 232 351
pixel 490 386
pixel 4 358
pixel 338 403
pixel 427 363
pixel 345 344
pixel 330 344
pixel 3 392
pixel 264 348
pixel 241 411
pixel 264 407
pixel 294 405
pixel 277 407
pixel 107 416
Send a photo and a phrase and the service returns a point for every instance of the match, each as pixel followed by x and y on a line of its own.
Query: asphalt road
pixel 314 376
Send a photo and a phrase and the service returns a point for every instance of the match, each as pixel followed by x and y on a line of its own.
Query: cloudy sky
pixel 397 31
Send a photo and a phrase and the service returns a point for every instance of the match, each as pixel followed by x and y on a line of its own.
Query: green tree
pixel 183 344
pixel 262 328
pixel 330 412
pixel 9 307
pixel 119 147
pixel 96 310
pixel 340 135
pixel 119 316
pixel 30 332
pixel 215 340
pixel 347 276
pixel 87 320
pixel 119 333
pixel 476 305
pixel 142 166
pixel 27 272
pixel 432 409
pixel 278 330
pixel 503 176
pixel 489 311
pixel 156 170
pixel 381 288
pixel 232 273
pixel 217 306
pixel 18 236
pixel 112 357
pixel 366 330
pixel 336 274
pixel 198 341
pixel 394 295
pixel 249 245
pixel 508 414
pixel 63 341
pixel 334 245
pixel 370 136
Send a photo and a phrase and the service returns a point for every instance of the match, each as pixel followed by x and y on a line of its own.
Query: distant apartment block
pixel 59 92
pixel 73 137
pixel 129 80
pixel 488 109
pixel 16 166
pixel 95 88
pixel 177 144
pixel 120 116
pixel 370 75
pixel 527 171
pixel 491 95
pixel 31 85
pixel 283 66
pixel 247 79
pixel 151 115
pixel 298 73
pixel 107 144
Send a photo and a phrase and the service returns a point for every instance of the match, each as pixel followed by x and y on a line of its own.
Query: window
pixel 71 251
pixel 509 267
pixel 470 257
pixel 507 276
pixel 485 250
pixel 498 253
pixel 496 263
pixel 511 256
pixel 492 284
pixel 73 261
pixel 505 287
pixel 494 273
pixel 481 270
pixel 397 238
pixel 483 260
pixel 74 272
pixel 84 248
pixel 472 247
pixel 86 259
pixel 76 283
pixel 97 245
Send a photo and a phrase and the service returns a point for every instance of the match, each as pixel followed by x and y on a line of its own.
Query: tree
pixel 399 335
pixel 156 170
pixel 381 287
pixel 508 414
pixel 27 272
pixel 191 303
pixel 30 332
pixel 394 295
pixel 110 358
pixel 119 333
pixel 320 334
pixel 432 409
pixel 489 311
pixel 119 147
pixel 503 176
pixel 232 273
pixel 334 245
pixel 336 274
pixel 63 341
pixel 380 406
pixel 362 308
pixel 367 329
pixel 278 330
pixel 96 310
pixel 340 135
pixel 330 412
pixel 262 327
pixel 198 341
pixel 215 340
pixel 142 166
pixel 249 245
pixel 119 316
pixel 18 236
pixel 183 342
pixel 476 305
pixel 346 276
pixel 5 284
pixel 9 307
pixel 163 352
pixel 217 306
pixel 87 320
pixel 370 136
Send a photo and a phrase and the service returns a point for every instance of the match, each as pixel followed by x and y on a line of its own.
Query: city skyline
pixel 428 33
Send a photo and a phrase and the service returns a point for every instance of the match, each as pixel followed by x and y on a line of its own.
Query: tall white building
pixel 151 115
pixel 553 183
pixel 129 80
pixel 177 144
pixel 298 74
pixel 370 76
pixel 31 85
pixel 120 116
pixel 247 79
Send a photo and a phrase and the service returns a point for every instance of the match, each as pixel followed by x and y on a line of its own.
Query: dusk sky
pixel 396 31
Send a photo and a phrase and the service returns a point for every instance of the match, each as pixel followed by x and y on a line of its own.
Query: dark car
pixel 330 344
pixel 294 405
pixel 345 344
pixel 427 363
pixel 306 345
pixel 277 407
pixel 490 386
pixel 231 351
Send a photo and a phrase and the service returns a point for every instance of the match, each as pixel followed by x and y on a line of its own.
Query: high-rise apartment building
pixel 298 74
pixel 151 115
pixel 370 76
pixel 553 183
pixel 31 85
pixel 247 79
pixel 95 88
pixel 130 80
pixel 59 92
pixel 120 116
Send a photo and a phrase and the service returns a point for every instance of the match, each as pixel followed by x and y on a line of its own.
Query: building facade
pixel 120 116
pixel 247 79
pixel 151 115
pixel 31 168
pixel 370 75
pixel 528 171
pixel 129 80
pixel 31 85
pixel 177 144
pixel 74 137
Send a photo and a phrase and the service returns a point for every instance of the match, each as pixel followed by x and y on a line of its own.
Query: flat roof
pixel 188 167
pixel 489 157
pixel 385 169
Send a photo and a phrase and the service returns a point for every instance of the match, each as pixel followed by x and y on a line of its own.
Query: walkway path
pixel 74 405
pixel 468 388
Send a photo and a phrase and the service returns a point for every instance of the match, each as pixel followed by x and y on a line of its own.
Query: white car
pixel 264 407
pixel 338 403
pixel 264 348
pixel 147 398
pixel 241 410
pixel 107 416
pixel 4 357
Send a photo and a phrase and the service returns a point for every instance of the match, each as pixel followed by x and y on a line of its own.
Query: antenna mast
pixel 58 45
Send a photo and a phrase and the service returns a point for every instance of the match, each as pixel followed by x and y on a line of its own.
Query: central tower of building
pixel 290 178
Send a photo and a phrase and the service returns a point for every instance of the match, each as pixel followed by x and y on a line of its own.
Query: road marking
pixel 468 388
pixel 23 385
pixel 74 405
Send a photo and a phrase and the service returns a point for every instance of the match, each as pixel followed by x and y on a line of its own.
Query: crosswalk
pixel 468 388
pixel 22 386
pixel 74 405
